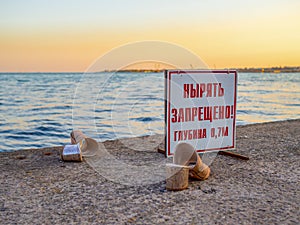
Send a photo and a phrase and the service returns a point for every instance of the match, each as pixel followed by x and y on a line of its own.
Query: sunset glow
pixel 64 36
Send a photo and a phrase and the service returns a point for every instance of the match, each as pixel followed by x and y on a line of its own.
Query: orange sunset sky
pixel 65 35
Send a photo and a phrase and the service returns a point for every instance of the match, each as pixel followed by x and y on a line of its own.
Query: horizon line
pixel 249 69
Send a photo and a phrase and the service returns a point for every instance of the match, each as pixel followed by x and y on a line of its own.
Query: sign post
pixel 200 109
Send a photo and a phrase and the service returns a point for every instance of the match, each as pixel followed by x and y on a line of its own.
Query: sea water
pixel 41 109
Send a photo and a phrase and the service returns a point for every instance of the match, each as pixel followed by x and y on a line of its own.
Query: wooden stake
pixel 232 154
pixel 226 153
pixel 162 151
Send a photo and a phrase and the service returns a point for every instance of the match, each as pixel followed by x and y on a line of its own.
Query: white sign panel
pixel 200 109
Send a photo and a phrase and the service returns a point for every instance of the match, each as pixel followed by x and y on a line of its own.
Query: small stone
pixel 131 220
pixel 20 157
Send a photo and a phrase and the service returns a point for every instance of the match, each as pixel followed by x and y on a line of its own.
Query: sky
pixel 69 35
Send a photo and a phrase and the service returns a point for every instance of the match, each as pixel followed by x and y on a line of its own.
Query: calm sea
pixel 41 109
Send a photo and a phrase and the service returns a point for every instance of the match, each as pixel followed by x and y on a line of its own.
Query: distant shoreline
pixel 285 69
pixel 243 70
pixel 280 69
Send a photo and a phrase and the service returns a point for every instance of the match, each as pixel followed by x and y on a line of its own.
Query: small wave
pixel 9 103
pixel 45 120
pixel 52 108
pixel 16 137
pixel 23 81
pixel 54 124
pixel 102 125
pixel 288 104
pixel 7 131
pixel 48 129
pixel 31 133
pixel 145 119
pixel 99 118
pixel 102 110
